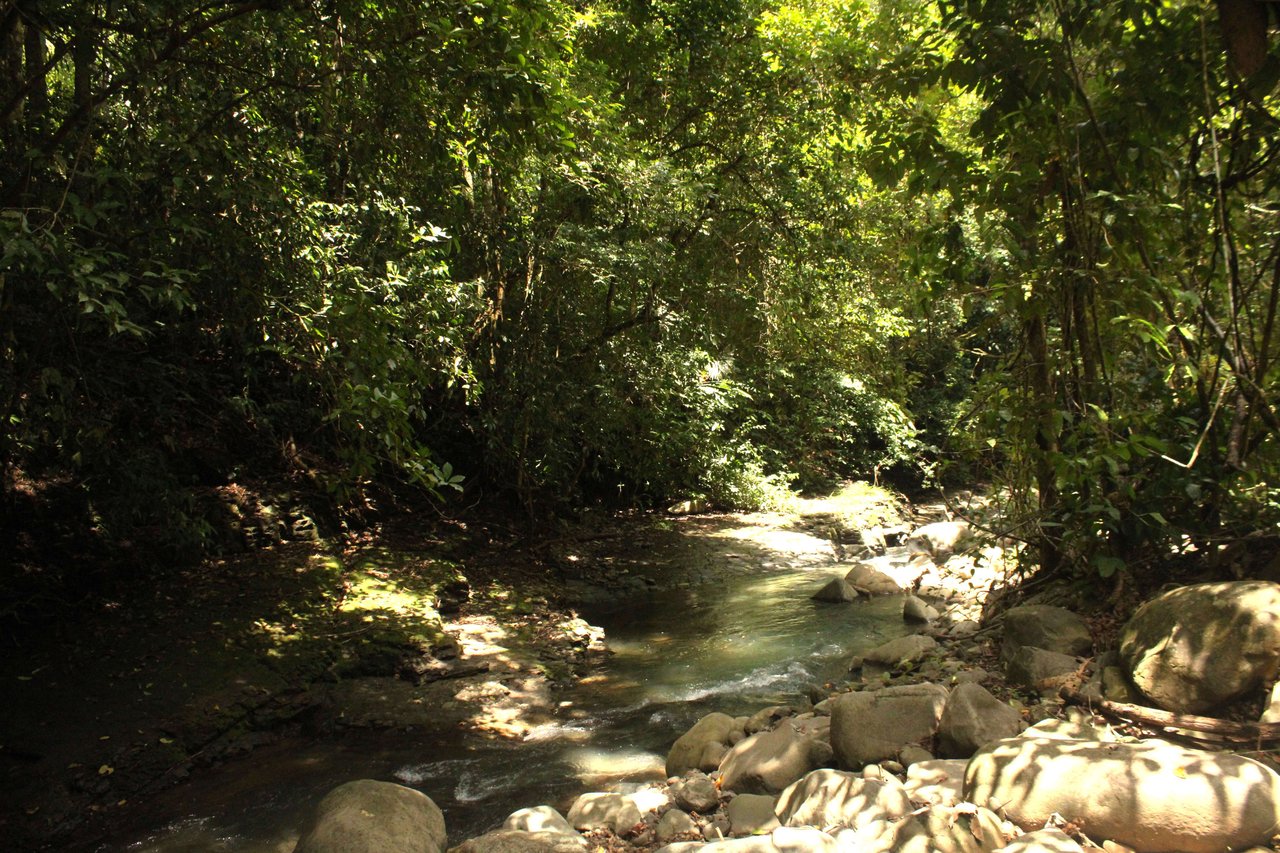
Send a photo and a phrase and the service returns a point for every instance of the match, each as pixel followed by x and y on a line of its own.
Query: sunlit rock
pixel 366 816
pixel 830 798
pixel 767 762
pixel 1153 796
pixel 872 726
pixel 1198 646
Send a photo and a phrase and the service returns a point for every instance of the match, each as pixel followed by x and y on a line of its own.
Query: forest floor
pixel 112 702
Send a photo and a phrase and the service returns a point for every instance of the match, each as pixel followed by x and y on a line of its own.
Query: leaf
pixel 106 770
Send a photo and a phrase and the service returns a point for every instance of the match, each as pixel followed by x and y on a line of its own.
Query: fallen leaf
pixel 106 770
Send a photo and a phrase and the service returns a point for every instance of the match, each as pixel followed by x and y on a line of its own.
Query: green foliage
pixel 639 252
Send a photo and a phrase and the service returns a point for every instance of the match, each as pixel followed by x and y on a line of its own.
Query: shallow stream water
pixel 747 639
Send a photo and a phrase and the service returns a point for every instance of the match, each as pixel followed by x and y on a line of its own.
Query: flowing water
pixel 746 638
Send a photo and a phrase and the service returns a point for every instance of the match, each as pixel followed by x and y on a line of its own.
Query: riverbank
pixel 450 629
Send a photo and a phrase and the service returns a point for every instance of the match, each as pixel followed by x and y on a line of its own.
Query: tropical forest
pixel 638 425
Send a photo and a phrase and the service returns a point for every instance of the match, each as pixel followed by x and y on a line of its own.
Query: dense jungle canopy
pixel 559 253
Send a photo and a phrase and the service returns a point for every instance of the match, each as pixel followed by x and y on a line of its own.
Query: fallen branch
pixel 1244 732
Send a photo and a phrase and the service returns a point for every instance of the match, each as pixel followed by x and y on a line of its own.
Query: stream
pixel 735 640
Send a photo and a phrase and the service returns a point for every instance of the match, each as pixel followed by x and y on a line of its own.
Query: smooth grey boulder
pixel 900 653
pixel 872 581
pixel 873 726
pixel 613 812
pixel 1043 841
pixel 917 610
pixel 1199 646
pixel 767 762
pixel 520 841
pixel 538 819
pixel 1039 669
pixel 1054 629
pixel 689 750
pixel 367 816
pixel 831 798
pixel 972 719
pixel 836 591
pixel 673 823
pixel 696 793
pixel 1153 796
pixel 752 814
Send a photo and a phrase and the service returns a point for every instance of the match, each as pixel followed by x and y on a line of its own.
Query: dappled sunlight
pixel 595 766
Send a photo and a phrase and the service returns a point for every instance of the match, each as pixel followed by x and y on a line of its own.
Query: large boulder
pixel 873 726
pixel 898 654
pixel 1153 797
pixel 972 719
pixel 366 816
pixel 837 591
pixel 696 793
pixel 832 798
pixel 767 762
pixel 687 752
pixel 1196 647
pixel 520 841
pixel 1054 629
pixel 613 812
pixel 1039 669
pixel 538 819
pixel 871 581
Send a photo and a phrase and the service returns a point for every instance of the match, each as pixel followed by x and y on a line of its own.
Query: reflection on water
pixel 733 646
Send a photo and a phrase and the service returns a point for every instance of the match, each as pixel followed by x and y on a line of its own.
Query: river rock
pixel 873 726
pixel 914 754
pixel 916 610
pixel 884 836
pixel 613 812
pixel 691 748
pixel 1043 841
pixel 1196 647
pixel 539 819
pixel 1039 669
pixel 939 539
pixel 766 718
pixel 767 762
pixel 752 814
pixel 673 823
pixel 784 839
pixel 898 654
pixel 366 816
pixel 939 782
pixel 972 719
pixel 1150 796
pixel 872 581
pixel 830 798
pixel 962 829
pixel 837 590
pixel 519 841
pixel 696 793
pixel 1054 629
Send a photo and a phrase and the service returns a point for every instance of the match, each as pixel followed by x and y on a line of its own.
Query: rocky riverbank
pixel 956 738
